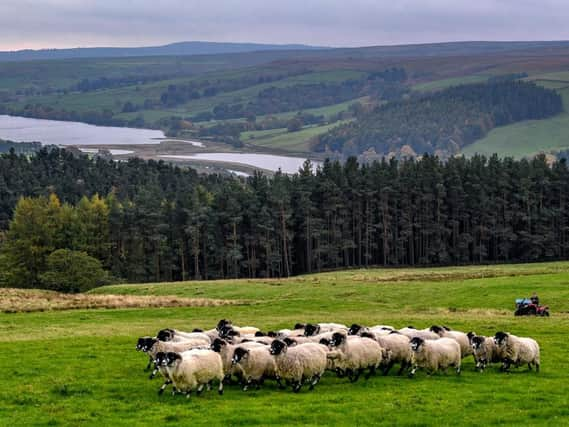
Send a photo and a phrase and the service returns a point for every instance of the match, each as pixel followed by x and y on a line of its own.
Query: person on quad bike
pixel 535 299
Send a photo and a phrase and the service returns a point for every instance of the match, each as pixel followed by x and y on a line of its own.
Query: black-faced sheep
pixel 256 365
pixel 485 351
pixel 398 347
pixel 460 337
pixel 433 355
pixel 517 350
pixel 299 364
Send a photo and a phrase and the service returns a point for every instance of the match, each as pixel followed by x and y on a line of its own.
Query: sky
pixel 35 24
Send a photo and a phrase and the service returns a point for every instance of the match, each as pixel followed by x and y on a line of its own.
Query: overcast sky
pixel 73 23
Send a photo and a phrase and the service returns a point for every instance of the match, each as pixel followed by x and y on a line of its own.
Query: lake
pixel 23 129
pixel 263 161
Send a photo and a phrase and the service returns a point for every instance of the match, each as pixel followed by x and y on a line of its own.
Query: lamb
pixel 226 350
pixel 194 370
pixel 433 355
pixel 398 346
pixel 517 350
pixel 256 365
pixel 298 364
pixel 460 337
pixel 485 351
pixel 357 354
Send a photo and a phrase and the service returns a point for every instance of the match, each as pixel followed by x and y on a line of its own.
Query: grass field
pixel 284 140
pixel 79 367
pixel 453 81
pixel 527 138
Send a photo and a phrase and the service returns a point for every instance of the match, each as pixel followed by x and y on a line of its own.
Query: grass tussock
pixel 25 300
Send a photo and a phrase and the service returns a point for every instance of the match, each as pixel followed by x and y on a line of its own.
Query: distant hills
pixel 173 49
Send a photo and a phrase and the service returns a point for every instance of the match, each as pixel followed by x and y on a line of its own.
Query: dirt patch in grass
pixel 26 300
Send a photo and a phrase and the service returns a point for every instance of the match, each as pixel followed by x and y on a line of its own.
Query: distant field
pixel 282 139
pixel 454 81
pixel 79 367
pixel 527 138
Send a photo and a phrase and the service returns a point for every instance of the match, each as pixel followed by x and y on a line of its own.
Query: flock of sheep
pixel 194 360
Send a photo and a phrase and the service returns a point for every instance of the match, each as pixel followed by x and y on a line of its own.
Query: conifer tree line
pixel 151 221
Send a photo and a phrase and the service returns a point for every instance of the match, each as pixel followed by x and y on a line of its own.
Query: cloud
pixel 70 23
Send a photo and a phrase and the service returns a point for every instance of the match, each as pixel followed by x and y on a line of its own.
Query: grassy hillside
pixel 530 137
pixel 80 367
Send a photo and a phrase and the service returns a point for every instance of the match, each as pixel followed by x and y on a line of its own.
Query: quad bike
pixel 525 307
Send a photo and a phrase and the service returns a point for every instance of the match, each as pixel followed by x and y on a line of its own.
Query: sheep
pixel 356 354
pixel 485 351
pixel 517 350
pixel 226 350
pixel 356 329
pixel 460 337
pixel 242 330
pixel 295 365
pixel 154 346
pixel 398 346
pixel 411 332
pixel 433 355
pixel 143 344
pixel 256 365
pixel 194 370
pixel 319 328
pixel 177 336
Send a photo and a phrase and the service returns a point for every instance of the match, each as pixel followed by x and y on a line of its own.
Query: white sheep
pixel 399 349
pixel 256 365
pixel 485 351
pixel 177 335
pixel 356 354
pixel 320 328
pixel 226 350
pixel 433 355
pixel 411 332
pixel 517 350
pixel 460 337
pixel 194 370
pixel 299 364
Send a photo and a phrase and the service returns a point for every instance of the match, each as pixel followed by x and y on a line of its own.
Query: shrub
pixel 73 271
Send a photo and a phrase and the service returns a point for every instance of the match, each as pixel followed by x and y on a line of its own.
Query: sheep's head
pixel 141 343
pixel 416 343
pixel 290 342
pixel 477 342
pixel 173 358
pixel 299 326
pixel 160 359
pixel 148 344
pixel 470 336
pixel 278 347
pixel 228 332
pixel 218 344
pixel 272 334
pixel 240 354
pixel 337 339
pixel 368 335
pixel 501 338
pixel 165 335
pixel 439 330
pixel 222 323
pixel 197 330
pixel 311 330
pixel 259 334
pixel 354 329
pixel 325 341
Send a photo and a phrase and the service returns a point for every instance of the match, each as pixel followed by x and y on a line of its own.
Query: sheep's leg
pixel 296 387
pixel 220 388
pixel 389 366
pixel 209 385
pixel 247 384
pixel 279 383
pixel 315 380
pixel 412 371
pixel 404 365
pixel 200 389
pixel 153 373
pixel 149 364
pixel 188 394
pixel 161 390
pixel 356 375
pixel 370 372
pixel 529 366
pixel 537 367
pixel 340 373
